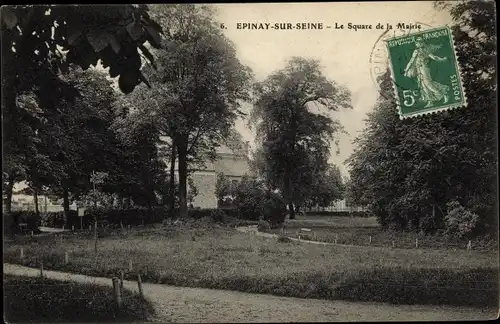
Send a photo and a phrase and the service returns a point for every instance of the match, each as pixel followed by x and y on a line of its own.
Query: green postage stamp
pixel 425 72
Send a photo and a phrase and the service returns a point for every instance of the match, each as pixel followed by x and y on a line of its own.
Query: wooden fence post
pixel 41 269
pixel 95 236
pixel 66 258
pixel 370 242
pixel 116 292
pixel 416 243
pixel 139 283
pixel 22 253
pixel 130 268
pixel 121 279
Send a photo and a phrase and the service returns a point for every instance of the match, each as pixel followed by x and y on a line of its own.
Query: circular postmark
pixel 379 57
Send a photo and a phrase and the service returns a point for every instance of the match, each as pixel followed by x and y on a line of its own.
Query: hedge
pixel 135 216
pixel 339 213
pixel 126 217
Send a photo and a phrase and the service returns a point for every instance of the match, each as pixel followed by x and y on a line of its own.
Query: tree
pixel 289 132
pixel 70 133
pixel 326 187
pixel 222 188
pixel 39 41
pixel 197 87
pixel 139 174
pixel 407 171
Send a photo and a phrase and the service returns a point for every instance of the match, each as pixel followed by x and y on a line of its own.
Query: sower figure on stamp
pixel 418 68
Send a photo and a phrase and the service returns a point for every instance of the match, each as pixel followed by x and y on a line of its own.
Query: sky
pixel 343 53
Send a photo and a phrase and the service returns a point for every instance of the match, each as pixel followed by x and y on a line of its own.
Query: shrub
pixel 105 217
pixel 248 197
pixel 459 221
pixel 218 216
pixel 253 201
pixel 199 213
pixel 273 209
pixel 15 218
pixel 223 191
pixel 48 300
pixel 284 239
pixel 263 226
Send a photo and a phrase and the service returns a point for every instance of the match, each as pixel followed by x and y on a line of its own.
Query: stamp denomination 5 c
pixel 425 72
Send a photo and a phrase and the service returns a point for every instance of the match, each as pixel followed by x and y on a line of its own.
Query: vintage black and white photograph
pixel 250 162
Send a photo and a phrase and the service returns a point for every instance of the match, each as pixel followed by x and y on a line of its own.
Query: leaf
pixel 127 81
pixel 114 70
pixel 148 54
pixel 9 19
pixel 98 40
pixel 115 45
pixel 152 23
pixel 154 36
pixel 135 30
pixel 143 79
pixel 73 37
pixel 64 67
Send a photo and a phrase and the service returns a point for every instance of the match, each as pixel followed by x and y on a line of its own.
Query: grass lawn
pixel 222 258
pixel 45 300
pixel 357 231
pixel 332 221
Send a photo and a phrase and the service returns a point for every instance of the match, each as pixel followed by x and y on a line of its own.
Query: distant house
pixel 231 160
pixel 338 206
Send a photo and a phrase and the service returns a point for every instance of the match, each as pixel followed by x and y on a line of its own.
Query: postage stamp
pixel 379 62
pixel 425 72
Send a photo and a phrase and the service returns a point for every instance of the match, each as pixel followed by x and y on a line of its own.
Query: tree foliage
pixel 295 141
pixel 197 87
pixel 325 187
pixel 39 42
pixel 407 171
pixel 35 37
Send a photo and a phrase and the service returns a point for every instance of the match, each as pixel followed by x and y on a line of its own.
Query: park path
pixel 198 305
pixel 253 230
pixel 52 230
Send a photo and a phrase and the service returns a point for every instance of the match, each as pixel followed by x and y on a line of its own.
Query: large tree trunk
pixel 66 206
pixel 9 189
pixel 288 195
pixel 290 165
pixel 171 198
pixel 35 199
pixel 291 210
pixel 182 151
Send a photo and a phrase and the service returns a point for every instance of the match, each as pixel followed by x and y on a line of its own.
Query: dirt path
pixel 189 305
pixel 253 230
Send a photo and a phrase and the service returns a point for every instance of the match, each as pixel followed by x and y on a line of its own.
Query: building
pixel 231 160
pixel 338 206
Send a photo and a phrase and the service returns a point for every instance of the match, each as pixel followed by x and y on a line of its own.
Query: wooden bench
pixel 305 232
